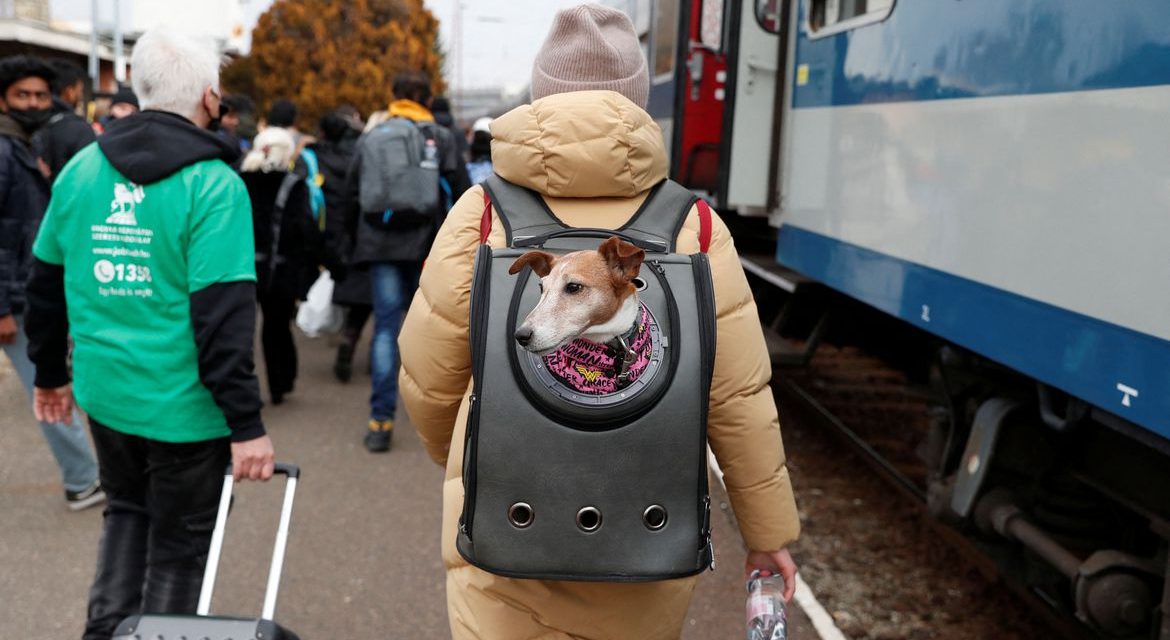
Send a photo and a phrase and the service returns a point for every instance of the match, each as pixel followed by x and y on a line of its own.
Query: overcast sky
pixel 500 37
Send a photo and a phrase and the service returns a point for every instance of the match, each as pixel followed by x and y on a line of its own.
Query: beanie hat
pixel 591 47
pixel 124 95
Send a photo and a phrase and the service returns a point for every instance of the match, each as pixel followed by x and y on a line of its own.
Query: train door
pixel 728 105
pixel 701 78
pixel 751 117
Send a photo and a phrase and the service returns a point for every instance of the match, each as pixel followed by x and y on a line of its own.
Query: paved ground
pixel 363 557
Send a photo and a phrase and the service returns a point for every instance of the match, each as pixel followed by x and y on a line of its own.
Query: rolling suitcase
pixel 204 627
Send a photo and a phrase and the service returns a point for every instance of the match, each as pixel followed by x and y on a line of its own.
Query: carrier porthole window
pixel 826 17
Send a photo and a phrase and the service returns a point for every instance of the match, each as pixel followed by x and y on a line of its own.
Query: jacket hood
pixel 411 110
pixel 60 106
pixel 9 127
pixel 584 144
pixel 149 146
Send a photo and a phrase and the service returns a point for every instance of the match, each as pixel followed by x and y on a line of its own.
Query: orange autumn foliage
pixel 323 53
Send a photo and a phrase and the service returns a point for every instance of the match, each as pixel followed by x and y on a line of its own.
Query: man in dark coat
pixel 24 196
pixel 394 245
pixel 66 132
pixel 334 151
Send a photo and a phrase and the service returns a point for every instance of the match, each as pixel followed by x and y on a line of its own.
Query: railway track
pixel 878 415
pixel 818 400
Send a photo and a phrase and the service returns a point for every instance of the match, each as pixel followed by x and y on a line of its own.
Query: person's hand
pixel 253 459
pixel 8 329
pixel 54 405
pixel 773 562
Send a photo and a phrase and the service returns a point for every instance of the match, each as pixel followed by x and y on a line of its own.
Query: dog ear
pixel 621 256
pixel 540 262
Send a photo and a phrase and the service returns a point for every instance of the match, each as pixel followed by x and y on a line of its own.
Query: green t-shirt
pixel 133 255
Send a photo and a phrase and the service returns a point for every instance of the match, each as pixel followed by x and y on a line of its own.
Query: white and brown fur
pixel 584 294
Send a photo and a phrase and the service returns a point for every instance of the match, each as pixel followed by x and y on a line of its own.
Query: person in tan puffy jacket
pixel 589 148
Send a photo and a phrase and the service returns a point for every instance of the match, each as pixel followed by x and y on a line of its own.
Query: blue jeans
pixel 67 442
pixel 393 285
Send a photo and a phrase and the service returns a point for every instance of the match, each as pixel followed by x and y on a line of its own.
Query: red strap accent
pixel 704 225
pixel 485 222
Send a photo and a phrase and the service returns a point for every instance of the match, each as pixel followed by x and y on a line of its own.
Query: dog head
pixel 584 294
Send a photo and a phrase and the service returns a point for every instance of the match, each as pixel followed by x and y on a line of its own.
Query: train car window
pixel 826 17
pixel 711 24
pixel 665 34
pixel 768 15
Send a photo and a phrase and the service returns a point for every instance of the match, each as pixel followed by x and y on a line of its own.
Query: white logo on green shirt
pixel 126 197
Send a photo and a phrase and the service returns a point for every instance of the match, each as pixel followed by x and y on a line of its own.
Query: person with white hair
pixel 145 256
pixel 288 244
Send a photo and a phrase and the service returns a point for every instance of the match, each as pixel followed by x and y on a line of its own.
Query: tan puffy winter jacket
pixel 593 156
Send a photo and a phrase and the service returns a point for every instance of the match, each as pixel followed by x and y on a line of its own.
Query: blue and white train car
pixel 996 174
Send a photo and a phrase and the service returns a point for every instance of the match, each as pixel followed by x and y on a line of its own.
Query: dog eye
pixel 540 286
pixel 573 287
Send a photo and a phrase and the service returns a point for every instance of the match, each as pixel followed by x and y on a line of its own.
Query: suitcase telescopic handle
pixel 293 473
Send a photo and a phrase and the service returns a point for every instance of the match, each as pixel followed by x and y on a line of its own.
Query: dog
pixel 588 325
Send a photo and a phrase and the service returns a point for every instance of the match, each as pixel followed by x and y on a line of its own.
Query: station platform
pixel 363 557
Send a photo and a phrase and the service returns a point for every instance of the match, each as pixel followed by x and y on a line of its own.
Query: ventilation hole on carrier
pixel 654 517
pixel 520 515
pixel 639 284
pixel 589 519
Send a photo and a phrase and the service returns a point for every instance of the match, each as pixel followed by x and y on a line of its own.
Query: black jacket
pixel 24 196
pixel 146 148
pixel 373 244
pixel 65 134
pixel 333 160
pixel 298 240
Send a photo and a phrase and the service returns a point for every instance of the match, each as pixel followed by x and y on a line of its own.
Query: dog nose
pixel 523 335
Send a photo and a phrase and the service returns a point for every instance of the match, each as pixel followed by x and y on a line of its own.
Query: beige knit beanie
pixel 591 47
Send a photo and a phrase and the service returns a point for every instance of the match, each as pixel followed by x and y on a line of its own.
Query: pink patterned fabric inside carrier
pixel 593 368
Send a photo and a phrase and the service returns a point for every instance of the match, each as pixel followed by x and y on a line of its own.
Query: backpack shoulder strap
pixel 310 158
pixel 660 218
pixel 663 213
pixel 523 212
pixel 278 206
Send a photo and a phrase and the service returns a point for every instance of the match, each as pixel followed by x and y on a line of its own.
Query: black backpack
pixel 561 485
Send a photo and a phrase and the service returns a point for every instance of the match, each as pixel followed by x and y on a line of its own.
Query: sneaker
pixel 343 366
pixel 378 435
pixel 86 498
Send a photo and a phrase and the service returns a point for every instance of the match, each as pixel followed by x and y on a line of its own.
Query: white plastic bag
pixel 318 315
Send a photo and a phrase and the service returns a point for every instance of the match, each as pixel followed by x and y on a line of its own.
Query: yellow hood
pixel 584 144
pixel 410 109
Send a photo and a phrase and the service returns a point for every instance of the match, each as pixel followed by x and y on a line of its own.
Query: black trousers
pixel 157 525
pixel 278 306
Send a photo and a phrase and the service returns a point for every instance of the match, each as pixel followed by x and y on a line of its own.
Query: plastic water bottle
pixel 430 155
pixel 766 619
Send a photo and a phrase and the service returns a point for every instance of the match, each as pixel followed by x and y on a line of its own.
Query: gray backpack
pixel 400 171
pixel 564 485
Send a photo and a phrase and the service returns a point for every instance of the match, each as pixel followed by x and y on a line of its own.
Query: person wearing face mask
pixel 145 256
pixel 66 133
pixel 25 102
